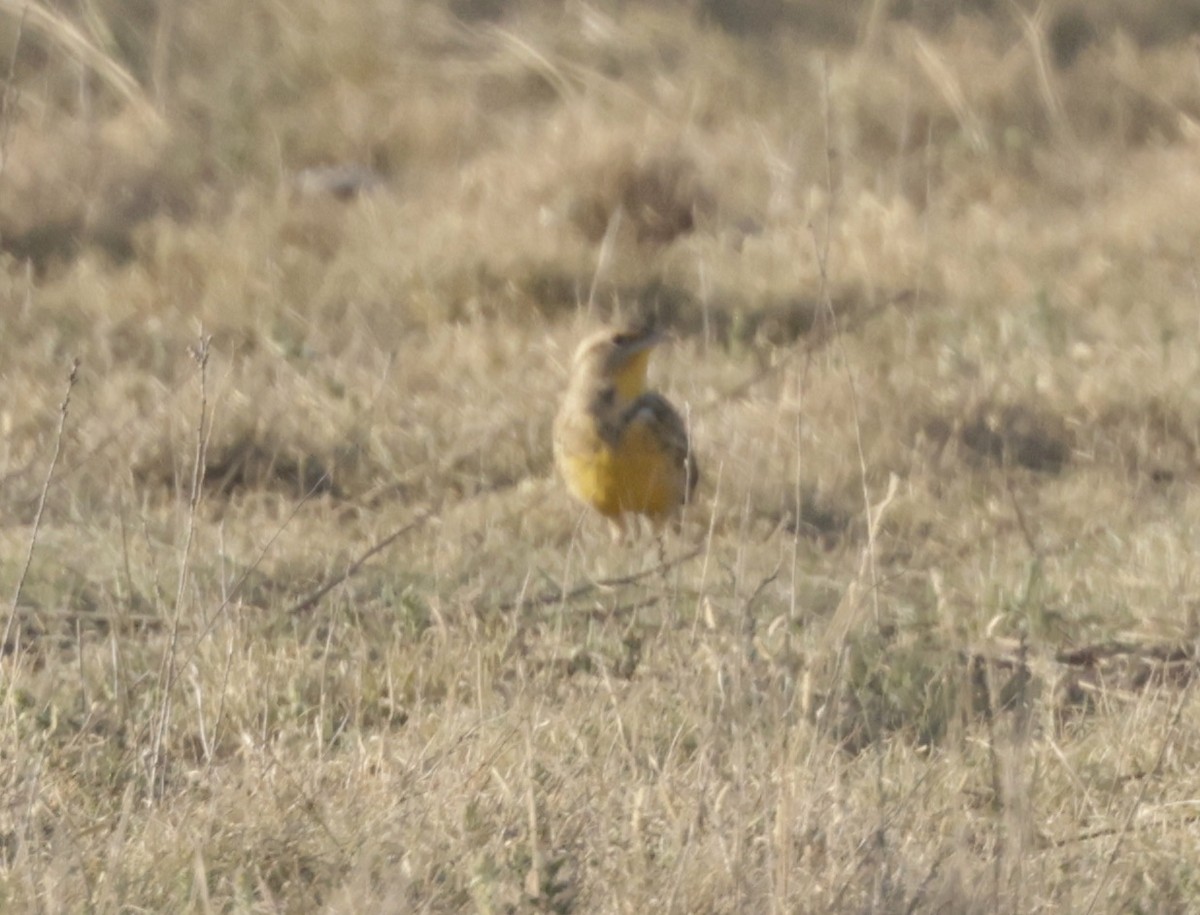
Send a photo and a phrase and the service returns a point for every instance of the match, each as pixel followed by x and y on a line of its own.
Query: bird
pixel 620 448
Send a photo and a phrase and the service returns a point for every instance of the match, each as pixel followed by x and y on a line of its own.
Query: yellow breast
pixel 635 476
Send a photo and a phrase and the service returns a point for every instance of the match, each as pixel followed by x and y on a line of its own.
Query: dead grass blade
pixel 67 36
pixel 948 84
pixel 9 95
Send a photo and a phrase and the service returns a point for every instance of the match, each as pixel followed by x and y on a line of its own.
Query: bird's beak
pixel 650 339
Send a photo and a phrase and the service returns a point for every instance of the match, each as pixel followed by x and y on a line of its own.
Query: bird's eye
pixel 622 339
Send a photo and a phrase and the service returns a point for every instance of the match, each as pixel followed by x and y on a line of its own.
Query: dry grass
pixel 307 625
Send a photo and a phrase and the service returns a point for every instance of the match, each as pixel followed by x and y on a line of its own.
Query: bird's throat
pixel 630 378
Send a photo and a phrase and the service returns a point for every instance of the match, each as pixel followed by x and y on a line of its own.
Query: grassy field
pixel 297 617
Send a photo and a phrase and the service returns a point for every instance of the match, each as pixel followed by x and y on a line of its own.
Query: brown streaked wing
pixel 654 409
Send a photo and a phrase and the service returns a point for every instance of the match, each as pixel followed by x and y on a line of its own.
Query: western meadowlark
pixel 622 449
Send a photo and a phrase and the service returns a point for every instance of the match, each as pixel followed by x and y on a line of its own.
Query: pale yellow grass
pixel 935 303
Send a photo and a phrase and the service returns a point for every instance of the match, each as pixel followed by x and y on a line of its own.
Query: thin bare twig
pixel 168 670
pixel 72 378
pixel 211 620
pixel 307 603
pixel 184 659
pixel 822 246
pixel 1022 523
pixel 560 596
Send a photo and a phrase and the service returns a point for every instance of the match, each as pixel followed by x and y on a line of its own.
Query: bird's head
pixel 618 356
